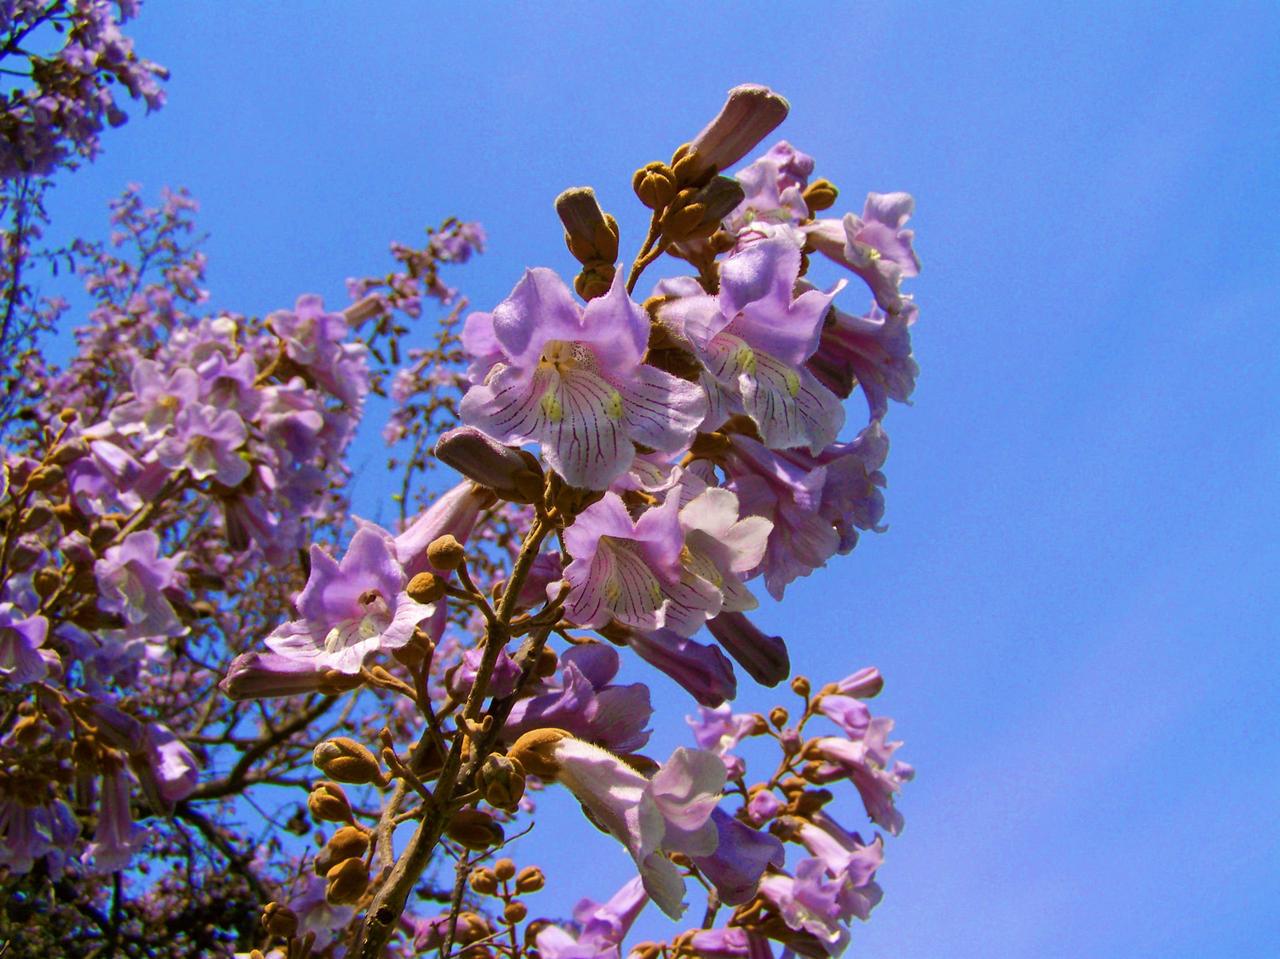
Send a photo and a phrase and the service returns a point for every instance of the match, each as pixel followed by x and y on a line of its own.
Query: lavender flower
pixel 754 338
pixel 352 609
pixel 571 380
pixel 132 580
pixel 21 659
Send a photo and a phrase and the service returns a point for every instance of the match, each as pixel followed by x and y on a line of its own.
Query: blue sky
pixel 1075 605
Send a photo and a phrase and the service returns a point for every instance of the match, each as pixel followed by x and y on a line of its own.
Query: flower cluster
pixel 71 95
pixel 205 657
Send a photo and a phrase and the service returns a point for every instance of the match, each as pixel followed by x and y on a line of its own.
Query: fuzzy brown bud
pixel 534 751
pixel 347 761
pixel 474 829
pixel 328 803
pixel 695 214
pixel 279 920
pixel 472 928
pixel 547 662
pixel 346 882
pixel 530 879
pixel 46 581
pixel 800 686
pixel 820 195
pixel 425 588
pixel 69 452
pixel 483 881
pixel 45 477
pixel 655 184
pixel 515 912
pixel 505 869
pixel 445 552
pixel 595 279
pixel 589 232
pixel 778 716
pixel 35 518
pixel 501 780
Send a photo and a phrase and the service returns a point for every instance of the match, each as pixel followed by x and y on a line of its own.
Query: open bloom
pixel 651 817
pixel 875 246
pixel 754 338
pixel 602 926
pixel 21 658
pixel 349 610
pixel 132 580
pixel 571 380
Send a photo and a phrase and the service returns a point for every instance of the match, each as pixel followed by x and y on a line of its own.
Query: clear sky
pixel 1075 606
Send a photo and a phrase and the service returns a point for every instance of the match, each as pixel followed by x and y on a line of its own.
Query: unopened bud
pixel 35 518
pixel 68 415
pixel 820 195
pixel 595 280
pixel 646 950
pixel 349 841
pixel 589 233
pixel 46 581
pixel 328 803
pixel 425 588
pixel 474 829
pixel 530 879
pixel 505 869
pixel 778 716
pixel 695 214
pixel 535 751
pixel 655 185
pixel 800 686
pixel 472 928
pixel 445 552
pixel 511 473
pixel 501 782
pixel 69 452
pixel 45 477
pixel 279 920
pixel 515 912
pixel 483 881
pixel 547 662
pixel 810 801
pixel 346 882
pixel 749 115
pixel 347 761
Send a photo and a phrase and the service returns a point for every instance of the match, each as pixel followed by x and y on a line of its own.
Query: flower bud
pixel 820 195
pixel 279 920
pixel 515 912
pixel 69 452
pixel 696 214
pixel 590 233
pixel 530 879
pixel 474 829
pixel 46 581
pixel 512 474
pixel 346 882
pixel 596 279
pixel 763 657
pixel 778 716
pixel 547 662
pixel 445 552
pixel 655 185
pixel 328 803
pixel 35 518
pixel 347 761
pixel 425 588
pixel 472 928
pixel 45 477
pixel 505 869
pixel 749 115
pixel 483 881
pixel 534 751
pixel 349 841
pixel 646 950
pixel 800 686
pixel 501 781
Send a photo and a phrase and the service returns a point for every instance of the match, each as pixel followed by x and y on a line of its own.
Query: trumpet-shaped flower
pixel 349 610
pixel 572 380
pixel 754 337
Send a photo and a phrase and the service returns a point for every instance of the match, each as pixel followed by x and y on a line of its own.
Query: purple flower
pixel 865 762
pixel 732 942
pixel 702 670
pixel 773 186
pixel 21 659
pixel 809 902
pixel 29 832
pixel 206 442
pixel 314 340
pixel 874 245
pixel 601 926
pixel 157 399
pixel 350 610
pixel 572 380
pixel 848 859
pixel 265 675
pixel 719 549
pixel 621 568
pixel 719 730
pixel 740 859
pixel 453 513
pixel 873 351
pixel 754 338
pixel 586 704
pixel 132 580
pixel 764 657
pixel 668 813
pixel 117 837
